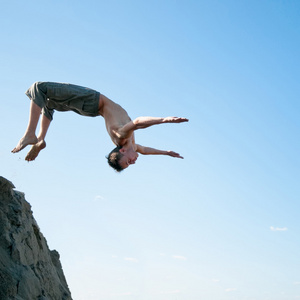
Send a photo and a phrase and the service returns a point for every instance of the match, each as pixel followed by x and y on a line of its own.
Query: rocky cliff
pixel 28 269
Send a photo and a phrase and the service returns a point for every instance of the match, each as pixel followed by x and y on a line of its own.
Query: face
pixel 129 158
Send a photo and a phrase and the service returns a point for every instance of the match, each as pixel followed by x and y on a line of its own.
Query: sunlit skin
pixel 118 124
pixel 121 130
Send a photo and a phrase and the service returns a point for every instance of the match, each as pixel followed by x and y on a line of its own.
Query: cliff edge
pixel 28 269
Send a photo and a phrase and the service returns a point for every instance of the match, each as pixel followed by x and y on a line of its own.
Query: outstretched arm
pixel 144 122
pixel 152 151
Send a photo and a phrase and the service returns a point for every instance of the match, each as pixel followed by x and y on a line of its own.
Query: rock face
pixel 28 269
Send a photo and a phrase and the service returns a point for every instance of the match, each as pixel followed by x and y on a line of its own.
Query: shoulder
pixel 140 148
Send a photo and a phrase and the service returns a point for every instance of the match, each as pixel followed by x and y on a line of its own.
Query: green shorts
pixel 52 96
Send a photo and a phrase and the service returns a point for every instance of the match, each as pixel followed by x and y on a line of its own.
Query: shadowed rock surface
pixel 28 269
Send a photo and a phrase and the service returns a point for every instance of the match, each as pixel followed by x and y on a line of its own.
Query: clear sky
pixel 222 224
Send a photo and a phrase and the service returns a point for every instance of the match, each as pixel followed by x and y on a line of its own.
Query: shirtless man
pixel 49 96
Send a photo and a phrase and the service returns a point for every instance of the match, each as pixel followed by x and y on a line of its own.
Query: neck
pixel 130 144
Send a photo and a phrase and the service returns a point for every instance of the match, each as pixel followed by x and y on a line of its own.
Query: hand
pixel 174 120
pixel 174 154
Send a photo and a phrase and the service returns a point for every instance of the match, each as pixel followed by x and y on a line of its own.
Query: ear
pixel 122 150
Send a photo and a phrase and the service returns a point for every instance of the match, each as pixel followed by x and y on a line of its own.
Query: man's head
pixel 113 159
pixel 120 158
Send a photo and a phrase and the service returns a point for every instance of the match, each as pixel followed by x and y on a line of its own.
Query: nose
pixel 132 161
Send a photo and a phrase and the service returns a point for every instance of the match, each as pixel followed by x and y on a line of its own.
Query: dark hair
pixel 113 159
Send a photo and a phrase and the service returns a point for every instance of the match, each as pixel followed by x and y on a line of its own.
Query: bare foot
pixel 35 150
pixel 25 141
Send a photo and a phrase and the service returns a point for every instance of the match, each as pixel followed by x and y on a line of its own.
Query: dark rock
pixel 28 269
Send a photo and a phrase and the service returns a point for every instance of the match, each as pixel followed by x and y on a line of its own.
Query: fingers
pixel 176 120
pixel 183 119
pixel 174 154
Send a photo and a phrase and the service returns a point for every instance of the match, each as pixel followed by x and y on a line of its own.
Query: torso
pixel 115 117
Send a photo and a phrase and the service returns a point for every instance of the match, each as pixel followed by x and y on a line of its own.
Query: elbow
pixel 136 123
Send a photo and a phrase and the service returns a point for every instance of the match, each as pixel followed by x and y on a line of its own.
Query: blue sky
pixel 222 224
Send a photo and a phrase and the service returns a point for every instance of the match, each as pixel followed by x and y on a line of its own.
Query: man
pixel 49 96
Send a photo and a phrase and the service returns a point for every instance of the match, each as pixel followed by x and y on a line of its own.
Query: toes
pixel 15 150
